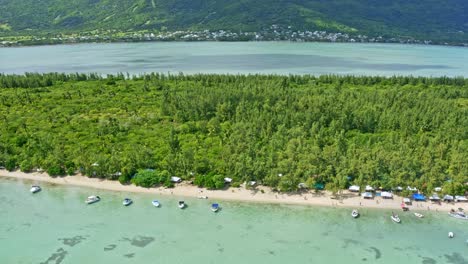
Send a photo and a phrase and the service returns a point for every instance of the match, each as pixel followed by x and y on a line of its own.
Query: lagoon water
pixel 56 226
pixel 239 57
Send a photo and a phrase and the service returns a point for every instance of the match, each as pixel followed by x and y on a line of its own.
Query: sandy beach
pixel 260 194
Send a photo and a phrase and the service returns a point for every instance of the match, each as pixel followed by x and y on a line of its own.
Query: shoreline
pixel 260 194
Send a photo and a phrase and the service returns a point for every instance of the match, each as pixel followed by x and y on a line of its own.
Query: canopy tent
pixel 434 197
pixel 448 198
pixel 387 195
pixel 354 188
pixel 369 188
pixel 419 197
pixel 367 195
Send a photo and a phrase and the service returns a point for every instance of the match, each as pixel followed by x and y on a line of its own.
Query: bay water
pixel 239 58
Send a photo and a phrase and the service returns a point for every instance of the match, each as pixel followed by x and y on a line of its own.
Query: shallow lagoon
pixel 56 226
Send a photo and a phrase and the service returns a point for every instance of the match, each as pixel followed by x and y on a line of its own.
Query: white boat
pixel 93 199
pixel 127 202
pixel 182 204
pixel 459 198
pixel 395 218
pixel 202 197
pixel 419 215
pixel 451 235
pixel 355 213
pixel 215 207
pixel 156 203
pixel 459 215
pixel 35 189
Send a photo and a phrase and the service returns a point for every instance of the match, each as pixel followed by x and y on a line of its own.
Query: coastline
pixel 260 194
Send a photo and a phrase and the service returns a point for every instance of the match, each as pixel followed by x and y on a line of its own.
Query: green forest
pixel 436 20
pixel 330 130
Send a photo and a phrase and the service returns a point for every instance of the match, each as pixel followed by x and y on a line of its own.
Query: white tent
pixel 175 179
pixel 227 180
pixel 460 199
pixel 386 195
pixel 407 200
pixel 438 189
pixel 369 188
pixel 354 188
pixel 367 195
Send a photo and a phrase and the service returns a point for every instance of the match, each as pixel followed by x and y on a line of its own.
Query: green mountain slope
pixel 433 19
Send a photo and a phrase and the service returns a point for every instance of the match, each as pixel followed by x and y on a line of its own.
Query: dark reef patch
pixel 72 241
pixel 56 257
pixel 427 260
pixel 377 252
pixel 110 247
pixel 456 258
pixel 139 241
pixel 130 255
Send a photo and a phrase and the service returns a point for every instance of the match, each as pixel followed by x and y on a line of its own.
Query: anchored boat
pixel 35 189
pixel 127 202
pixel 355 214
pixel 92 199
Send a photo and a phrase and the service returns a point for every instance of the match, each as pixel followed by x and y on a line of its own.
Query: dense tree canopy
pixel 330 130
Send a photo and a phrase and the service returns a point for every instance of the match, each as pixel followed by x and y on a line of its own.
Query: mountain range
pixel 441 20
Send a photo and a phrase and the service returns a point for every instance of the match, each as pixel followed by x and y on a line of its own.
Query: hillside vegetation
pixel 441 20
pixel 329 130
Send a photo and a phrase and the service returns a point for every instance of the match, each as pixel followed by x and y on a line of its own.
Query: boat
pixel 127 202
pixel 35 189
pixel 182 204
pixel 419 215
pixel 459 215
pixel 93 199
pixel 395 218
pixel 156 203
pixel 215 207
pixel 451 235
pixel 202 197
pixel 355 213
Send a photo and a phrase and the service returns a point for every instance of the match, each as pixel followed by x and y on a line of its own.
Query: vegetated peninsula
pixel 285 132
pixel 28 22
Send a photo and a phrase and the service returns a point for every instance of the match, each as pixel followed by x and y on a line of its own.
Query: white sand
pixel 350 200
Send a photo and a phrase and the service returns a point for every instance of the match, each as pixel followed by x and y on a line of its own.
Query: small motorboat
pixel 419 215
pixel 35 189
pixel 355 214
pixel 459 215
pixel 215 207
pixel 127 202
pixel 202 197
pixel 451 235
pixel 395 218
pixel 93 199
pixel 182 204
pixel 156 203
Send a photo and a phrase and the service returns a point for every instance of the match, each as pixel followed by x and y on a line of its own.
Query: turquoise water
pixel 56 226
pixel 239 57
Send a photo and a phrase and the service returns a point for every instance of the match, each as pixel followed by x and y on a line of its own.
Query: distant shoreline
pixel 261 194
pixel 23 45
